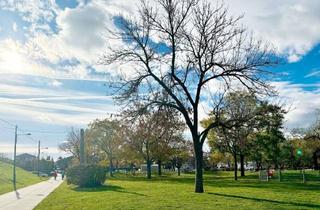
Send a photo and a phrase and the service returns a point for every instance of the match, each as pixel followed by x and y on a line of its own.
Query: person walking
pixel 55 175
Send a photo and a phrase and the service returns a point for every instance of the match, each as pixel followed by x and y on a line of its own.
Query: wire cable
pixel 6 121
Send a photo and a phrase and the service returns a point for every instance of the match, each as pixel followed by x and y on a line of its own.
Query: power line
pixel 6 121
pixel 28 136
pixel 48 132
pixel 7 128
pixel 31 131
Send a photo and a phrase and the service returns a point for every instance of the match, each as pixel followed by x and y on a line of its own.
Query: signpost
pixel 299 154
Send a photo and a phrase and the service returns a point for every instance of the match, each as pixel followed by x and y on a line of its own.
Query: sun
pixel 11 59
pixel 11 62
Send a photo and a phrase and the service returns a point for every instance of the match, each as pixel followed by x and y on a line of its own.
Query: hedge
pixel 86 175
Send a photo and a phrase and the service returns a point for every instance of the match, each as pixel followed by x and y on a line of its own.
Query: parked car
pixel 43 175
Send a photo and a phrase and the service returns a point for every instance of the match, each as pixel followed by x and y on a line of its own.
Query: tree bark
pixel 235 167
pixel 159 167
pixel 315 160
pixel 148 169
pixel 199 168
pixel 178 171
pixel 242 165
pixel 111 167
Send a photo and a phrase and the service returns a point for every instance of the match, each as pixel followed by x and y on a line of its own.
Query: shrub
pixel 86 175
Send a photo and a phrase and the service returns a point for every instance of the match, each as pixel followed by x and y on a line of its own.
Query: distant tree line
pixel 154 136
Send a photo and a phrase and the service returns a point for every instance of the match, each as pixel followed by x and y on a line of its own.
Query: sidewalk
pixel 29 197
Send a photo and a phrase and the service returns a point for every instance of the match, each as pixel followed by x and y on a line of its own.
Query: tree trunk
pixel 242 165
pixel 110 167
pixel 178 171
pixel 159 167
pixel 199 168
pixel 148 169
pixel 315 160
pixel 235 167
pixel 117 165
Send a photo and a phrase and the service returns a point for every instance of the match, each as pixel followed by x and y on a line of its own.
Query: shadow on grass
pixel 267 200
pixel 105 188
pixel 249 181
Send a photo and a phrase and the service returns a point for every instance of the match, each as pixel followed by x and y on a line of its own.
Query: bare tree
pixel 314 131
pixel 72 144
pixel 198 44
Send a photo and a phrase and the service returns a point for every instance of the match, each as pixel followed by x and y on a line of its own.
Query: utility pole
pixel 39 158
pixel 14 156
pixel 82 158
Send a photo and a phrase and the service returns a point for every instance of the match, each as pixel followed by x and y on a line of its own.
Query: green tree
pixel 312 137
pixel 269 138
pixel 106 136
pixel 182 150
pixel 241 109
pixel 151 133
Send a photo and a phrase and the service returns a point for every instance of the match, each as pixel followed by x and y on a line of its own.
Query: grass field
pixel 173 192
pixel 24 178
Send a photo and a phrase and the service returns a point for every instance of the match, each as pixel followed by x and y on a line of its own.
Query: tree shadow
pixel 272 185
pixel 249 181
pixel 268 200
pixel 105 188
pixel 162 178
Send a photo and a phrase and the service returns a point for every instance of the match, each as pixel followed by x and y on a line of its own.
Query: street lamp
pixel 15 153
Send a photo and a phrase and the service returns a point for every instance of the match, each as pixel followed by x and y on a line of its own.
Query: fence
pixel 289 175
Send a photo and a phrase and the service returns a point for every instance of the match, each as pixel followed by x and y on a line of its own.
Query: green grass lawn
pixel 173 192
pixel 24 178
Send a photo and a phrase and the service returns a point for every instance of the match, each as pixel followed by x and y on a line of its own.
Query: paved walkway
pixel 29 197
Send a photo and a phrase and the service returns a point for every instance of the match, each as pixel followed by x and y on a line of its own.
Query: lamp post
pixel 15 153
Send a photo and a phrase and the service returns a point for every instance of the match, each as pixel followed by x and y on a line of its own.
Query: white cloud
pixel 302 104
pixel 53 106
pixel 293 58
pixel 293 26
pixel 14 58
pixel 56 83
pixel 14 27
pixel 38 13
pixel 56 113
pixel 42 59
pixel 83 27
pixel 80 36
pixel 315 73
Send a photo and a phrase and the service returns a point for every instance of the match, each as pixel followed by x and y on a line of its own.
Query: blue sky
pixel 50 80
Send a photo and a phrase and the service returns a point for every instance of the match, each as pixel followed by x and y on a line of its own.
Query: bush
pixel 86 175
